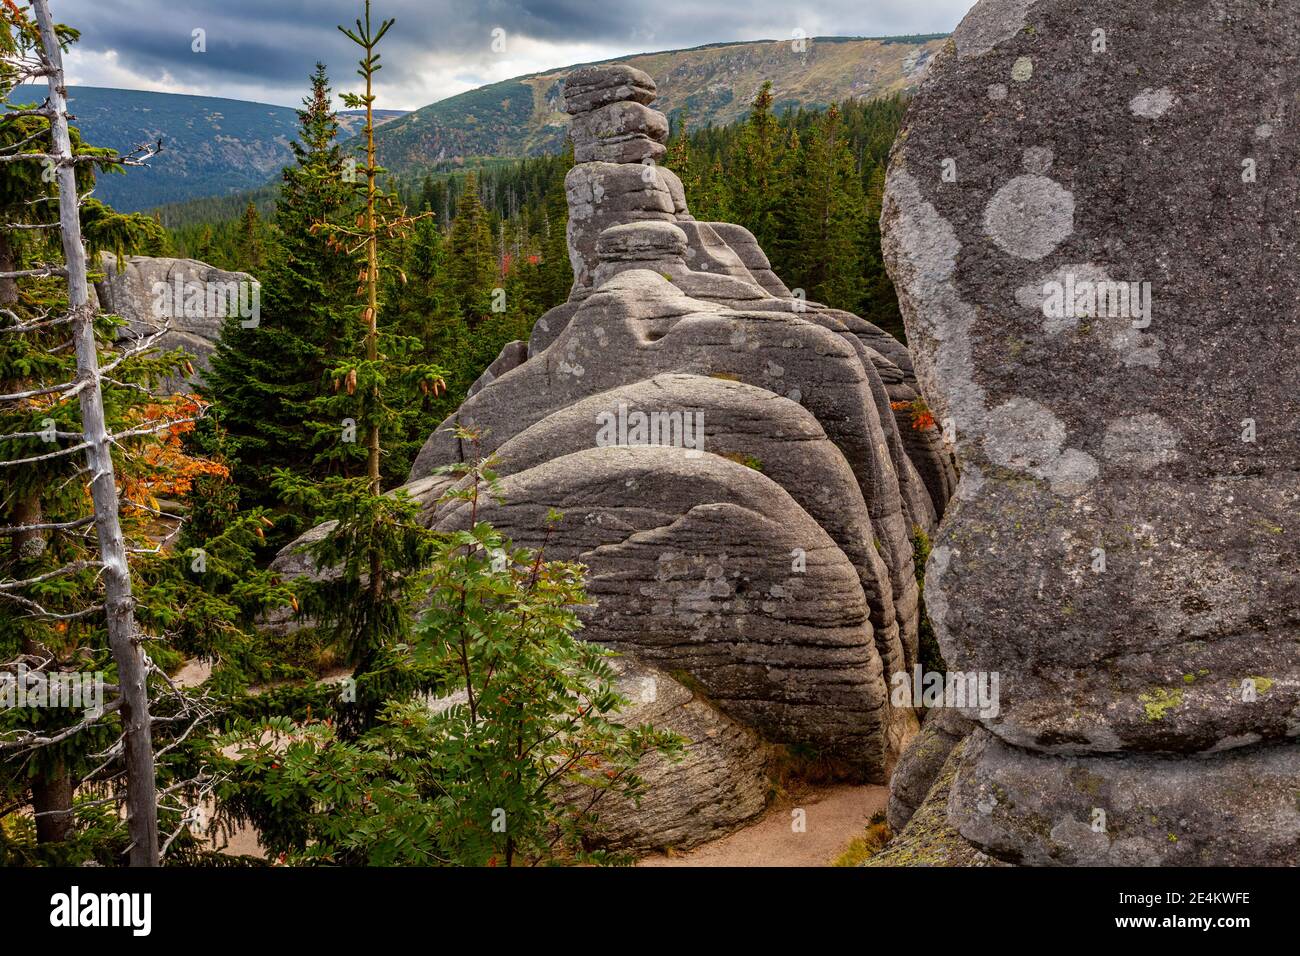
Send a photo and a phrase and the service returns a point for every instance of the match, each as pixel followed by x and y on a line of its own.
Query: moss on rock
pixel 929 839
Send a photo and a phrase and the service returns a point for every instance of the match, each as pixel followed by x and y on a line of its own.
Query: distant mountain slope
pixel 217 147
pixel 714 84
pixel 211 146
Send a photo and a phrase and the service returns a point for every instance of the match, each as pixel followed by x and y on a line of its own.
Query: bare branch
pixel 39 678
pixel 58 161
pixel 158 425
pixel 70 450
pixel 70 568
pixel 57 434
pixel 43 272
pixel 19 114
pixel 34 326
pixel 29 740
pixel 37 611
pixel 50 526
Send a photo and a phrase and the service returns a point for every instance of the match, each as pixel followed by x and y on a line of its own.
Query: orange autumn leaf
pixel 161 466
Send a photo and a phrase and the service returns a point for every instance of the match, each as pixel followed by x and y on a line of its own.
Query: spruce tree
pixel 787 247
pixel 756 172
pixel 264 379
pixel 375 545
pixel 557 271
pixel 879 301
pixel 472 270
pixel 250 240
pixel 205 248
pixel 830 213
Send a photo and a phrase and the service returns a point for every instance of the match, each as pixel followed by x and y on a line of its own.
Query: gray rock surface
pixel 601 195
pixel 921 763
pixel 764 431
pixel 929 838
pixel 1235 808
pixel 513 354
pixel 194 326
pixel 720 783
pixel 751 256
pixel 551 324
pixel 639 324
pixel 690 565
pixel 595 86
pixel 1122 547
pixel 619 133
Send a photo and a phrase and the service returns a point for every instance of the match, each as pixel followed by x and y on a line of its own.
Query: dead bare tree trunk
pixel 141 792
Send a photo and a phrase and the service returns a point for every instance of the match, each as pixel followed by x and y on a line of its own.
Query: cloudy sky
pixel 263 50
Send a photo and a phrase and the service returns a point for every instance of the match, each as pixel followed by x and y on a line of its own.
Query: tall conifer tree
pixel 375 545
pixel 264 379
pixel 472 271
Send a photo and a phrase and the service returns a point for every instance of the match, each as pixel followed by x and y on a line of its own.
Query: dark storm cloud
pixel 270 45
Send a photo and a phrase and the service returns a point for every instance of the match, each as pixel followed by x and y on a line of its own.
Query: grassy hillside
pixel 713 84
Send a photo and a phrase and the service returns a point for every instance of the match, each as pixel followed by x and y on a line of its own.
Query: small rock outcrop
pixel 1090 220
pixel 733 468
pixel 722 777
pixel 929 838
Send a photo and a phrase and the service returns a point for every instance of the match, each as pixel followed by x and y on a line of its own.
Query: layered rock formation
pixel 722 777
pixel 732 463
pixel 1091 222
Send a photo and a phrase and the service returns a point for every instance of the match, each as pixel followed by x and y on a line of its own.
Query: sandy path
pixel 834 816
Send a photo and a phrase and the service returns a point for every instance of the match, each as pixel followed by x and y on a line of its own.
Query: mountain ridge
pixel 712 83
pixel 218 146
pixel 212 145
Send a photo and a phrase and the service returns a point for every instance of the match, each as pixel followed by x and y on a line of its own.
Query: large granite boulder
pixel 640 324
pixel 691 570
pixel 1090 220
pixel 190 299
pixel 721 781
